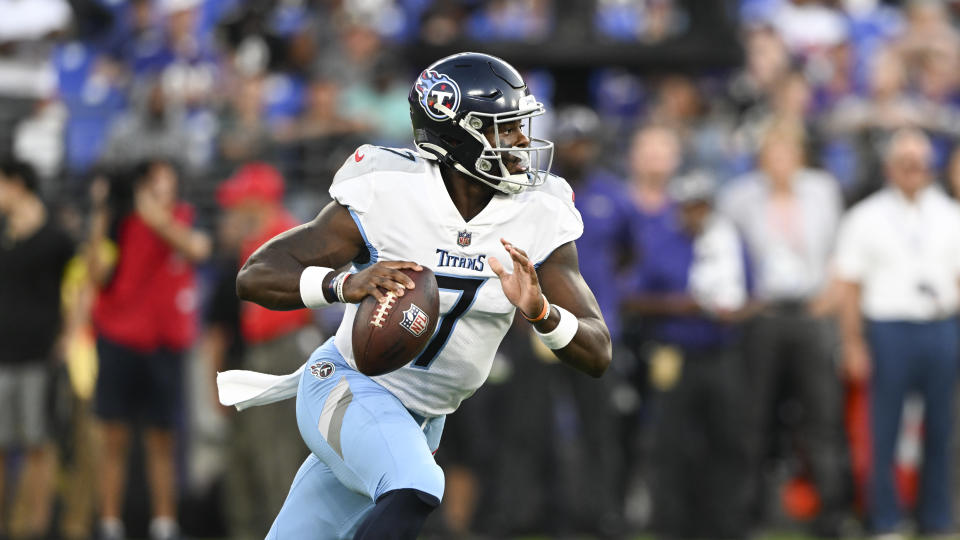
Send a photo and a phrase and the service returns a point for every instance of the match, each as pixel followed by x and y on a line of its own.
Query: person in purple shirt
pixel 688 288
pixel 603 202
pixel 603 250
pixel 653 159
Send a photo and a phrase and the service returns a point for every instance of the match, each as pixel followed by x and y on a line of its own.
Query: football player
pixel 477 205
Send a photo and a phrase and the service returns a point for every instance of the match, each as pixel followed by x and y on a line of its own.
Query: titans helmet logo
pixel 437 90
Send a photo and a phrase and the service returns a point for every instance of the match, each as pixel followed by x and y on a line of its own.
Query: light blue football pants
pixel 364 443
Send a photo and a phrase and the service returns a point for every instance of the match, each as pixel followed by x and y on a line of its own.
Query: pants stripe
pixel 331 417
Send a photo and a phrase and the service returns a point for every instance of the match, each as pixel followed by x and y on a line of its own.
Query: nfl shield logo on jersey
pixel 415 320
pixel 463 238
pixel 322 370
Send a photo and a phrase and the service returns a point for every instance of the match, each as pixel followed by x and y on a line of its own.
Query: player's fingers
pixel 522 252
pixel 390 283
pixel 518 255
pixel 402 279
pixel 497 268
pixel 520 258
pixel 399 265
pixel 376 292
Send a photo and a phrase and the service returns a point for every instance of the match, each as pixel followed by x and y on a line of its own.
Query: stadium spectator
pixel 789 101
pixel 28 34
pixel 441 22
pixel 592 476
pixel 788 215
pixel 509 20
pixel 765 63
pixel 898 259
pixel 353 56
pixel 928 32
pixel 188 65
pixel 34 252
pixel 809 27
pixel 265 447
pixel 244 134
pixel 646 21
pixel 322 116
pixel 145 319
pixel 653 160
pixel 381 103
pixel 604 202
pixel 686 287
pixel 866 121
pixel 314 143
pixel 705 137
pixel 152 129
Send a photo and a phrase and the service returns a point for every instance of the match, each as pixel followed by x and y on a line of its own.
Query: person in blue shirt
pixel 688 290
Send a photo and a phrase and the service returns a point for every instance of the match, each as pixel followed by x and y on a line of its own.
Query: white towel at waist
pixel 244 389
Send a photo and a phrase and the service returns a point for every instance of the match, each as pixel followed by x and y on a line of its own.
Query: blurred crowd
pixel 774 244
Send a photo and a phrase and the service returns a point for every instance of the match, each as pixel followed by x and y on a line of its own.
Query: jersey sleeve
pixel 354 183
pixel 351 185
pixel 560 221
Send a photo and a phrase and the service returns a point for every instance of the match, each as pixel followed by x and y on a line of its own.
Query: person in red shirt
pixel 266 447
pixel 145 318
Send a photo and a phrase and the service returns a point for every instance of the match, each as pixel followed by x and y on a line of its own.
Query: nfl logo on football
pixel 415 320
pixel 463 238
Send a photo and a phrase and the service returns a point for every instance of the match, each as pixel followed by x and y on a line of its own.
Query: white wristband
pixel 563 334
pixel 311 286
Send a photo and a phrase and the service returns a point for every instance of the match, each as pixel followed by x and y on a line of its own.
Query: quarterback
pixel 477 205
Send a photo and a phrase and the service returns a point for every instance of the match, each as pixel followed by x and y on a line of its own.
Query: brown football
pixel 388 335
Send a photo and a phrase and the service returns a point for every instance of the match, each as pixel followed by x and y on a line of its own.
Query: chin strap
pixel 449 161
pixel 437 153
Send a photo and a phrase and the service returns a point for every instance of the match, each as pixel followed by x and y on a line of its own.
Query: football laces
pixel 383 310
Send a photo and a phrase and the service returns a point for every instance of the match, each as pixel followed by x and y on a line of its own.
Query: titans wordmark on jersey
pixel 398 200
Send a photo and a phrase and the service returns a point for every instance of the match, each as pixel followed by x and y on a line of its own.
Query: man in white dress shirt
pixel 898 260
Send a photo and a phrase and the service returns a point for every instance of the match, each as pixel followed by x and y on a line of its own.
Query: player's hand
pixel 521 287
pixel 378 279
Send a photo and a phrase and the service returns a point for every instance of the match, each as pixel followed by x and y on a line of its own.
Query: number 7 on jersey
pixel 467 288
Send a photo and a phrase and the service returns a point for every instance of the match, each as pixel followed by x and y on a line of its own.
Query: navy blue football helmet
pixel 457 99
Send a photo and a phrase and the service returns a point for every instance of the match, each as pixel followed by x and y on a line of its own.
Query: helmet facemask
pixel 491 166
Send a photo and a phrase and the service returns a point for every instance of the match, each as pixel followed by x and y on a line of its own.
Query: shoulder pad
pixel 370 158
pixel 555 186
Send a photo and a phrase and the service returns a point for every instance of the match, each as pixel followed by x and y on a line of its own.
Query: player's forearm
pixel 271 279
pixel 590 351
pixel 271 276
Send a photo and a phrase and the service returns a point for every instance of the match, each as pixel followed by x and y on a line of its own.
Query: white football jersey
pixel 399 202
